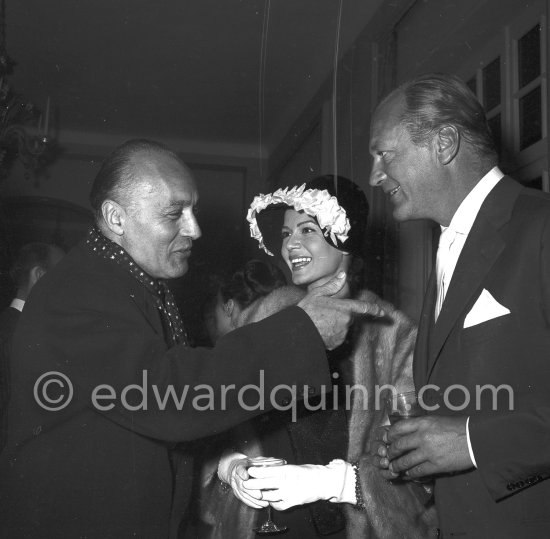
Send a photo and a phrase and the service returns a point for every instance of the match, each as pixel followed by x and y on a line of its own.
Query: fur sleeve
pixel 272 303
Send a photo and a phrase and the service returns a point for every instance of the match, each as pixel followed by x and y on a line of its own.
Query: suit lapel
pixel 482 248
pixel 144 300
pixel 141 298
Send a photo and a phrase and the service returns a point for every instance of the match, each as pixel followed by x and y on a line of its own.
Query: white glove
pixel 287 486
pixel 232 470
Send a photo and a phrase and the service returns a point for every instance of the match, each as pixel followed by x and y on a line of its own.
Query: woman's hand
pixel 232 470
pixel 286 486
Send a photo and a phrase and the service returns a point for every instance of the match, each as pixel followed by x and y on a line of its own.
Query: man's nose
pixel 191 229
pixel 377 176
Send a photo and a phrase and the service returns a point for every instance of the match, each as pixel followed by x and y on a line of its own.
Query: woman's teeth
pixel 300 262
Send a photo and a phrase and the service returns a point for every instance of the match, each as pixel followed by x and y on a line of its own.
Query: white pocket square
pixel 485 308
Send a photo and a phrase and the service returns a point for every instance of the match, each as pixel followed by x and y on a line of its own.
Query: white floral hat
pixel 328 209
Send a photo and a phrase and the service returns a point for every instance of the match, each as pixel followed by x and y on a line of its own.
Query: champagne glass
pixel 268 527
pixel 402 406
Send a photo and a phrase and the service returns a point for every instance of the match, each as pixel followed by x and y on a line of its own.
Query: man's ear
pixel 114 216
pixel 34 274
pixel 447 144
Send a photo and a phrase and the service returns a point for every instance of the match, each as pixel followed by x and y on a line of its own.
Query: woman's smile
pixel 299 262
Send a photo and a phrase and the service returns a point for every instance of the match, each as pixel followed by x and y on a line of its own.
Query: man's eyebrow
pixel 177 204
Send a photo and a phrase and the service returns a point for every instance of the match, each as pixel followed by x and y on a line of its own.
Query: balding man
pixel 106 384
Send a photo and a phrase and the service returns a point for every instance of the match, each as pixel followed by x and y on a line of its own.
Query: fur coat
pixel 381 353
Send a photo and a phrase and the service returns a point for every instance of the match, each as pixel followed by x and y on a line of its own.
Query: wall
pixel 343 113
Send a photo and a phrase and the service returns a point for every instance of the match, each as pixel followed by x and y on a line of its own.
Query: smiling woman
pixel 319 228
pixel 322 225
pixel 310 258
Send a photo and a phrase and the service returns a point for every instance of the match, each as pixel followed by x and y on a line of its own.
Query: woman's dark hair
pixel 254 280
pixel 352 198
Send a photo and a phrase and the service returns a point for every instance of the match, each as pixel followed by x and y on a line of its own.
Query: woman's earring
pixel 228 308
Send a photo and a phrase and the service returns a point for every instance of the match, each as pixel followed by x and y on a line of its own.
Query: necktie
pixel 446 241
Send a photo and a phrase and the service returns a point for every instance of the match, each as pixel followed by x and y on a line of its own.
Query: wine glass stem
pixel 269 513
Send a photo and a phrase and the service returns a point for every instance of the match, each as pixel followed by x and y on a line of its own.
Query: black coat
pixel 9 318
pixel 103 469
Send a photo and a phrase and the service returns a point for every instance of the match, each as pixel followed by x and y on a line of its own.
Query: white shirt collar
pixel 466 214
pixel 17 304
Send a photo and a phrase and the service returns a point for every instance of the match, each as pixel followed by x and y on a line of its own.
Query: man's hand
pixel 379 454
pixel 428 445
pixel 331 316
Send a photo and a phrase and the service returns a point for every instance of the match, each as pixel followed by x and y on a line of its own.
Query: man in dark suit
pixel 104 384
pixel 482 360
pixel 32 261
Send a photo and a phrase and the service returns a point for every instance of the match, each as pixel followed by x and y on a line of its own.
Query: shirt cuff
pixel 470 450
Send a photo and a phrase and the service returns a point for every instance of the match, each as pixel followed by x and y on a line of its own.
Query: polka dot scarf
pixel 171 319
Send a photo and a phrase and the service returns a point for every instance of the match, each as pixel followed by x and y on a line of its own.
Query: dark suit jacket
pixel 508 254
pixel 8 321
pixel 102 470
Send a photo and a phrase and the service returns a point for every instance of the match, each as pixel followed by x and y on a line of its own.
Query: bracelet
pixel 226 487
pixel 359 501
pixel 226 481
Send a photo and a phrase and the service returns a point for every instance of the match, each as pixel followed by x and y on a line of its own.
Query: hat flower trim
pixel 317 203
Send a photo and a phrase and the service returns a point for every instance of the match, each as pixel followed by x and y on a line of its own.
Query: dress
pixel 96 471
pixel 379 351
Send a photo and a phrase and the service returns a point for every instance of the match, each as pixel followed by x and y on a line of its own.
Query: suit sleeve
pixel 512 448
pixel 178 394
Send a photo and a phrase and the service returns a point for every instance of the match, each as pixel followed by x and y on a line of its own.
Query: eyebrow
pixel 179 204
pixel 303 223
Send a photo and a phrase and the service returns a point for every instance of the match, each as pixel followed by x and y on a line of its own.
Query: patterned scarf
pixel 171 319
